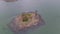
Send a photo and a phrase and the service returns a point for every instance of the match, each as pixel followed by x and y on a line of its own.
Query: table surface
pixel 48 9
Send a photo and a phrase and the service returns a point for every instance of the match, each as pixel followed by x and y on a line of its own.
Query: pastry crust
pixel 18 24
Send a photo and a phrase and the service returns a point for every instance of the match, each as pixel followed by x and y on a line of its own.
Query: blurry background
pixel 49 10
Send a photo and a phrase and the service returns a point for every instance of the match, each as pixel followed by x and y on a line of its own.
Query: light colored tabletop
pixel 49 10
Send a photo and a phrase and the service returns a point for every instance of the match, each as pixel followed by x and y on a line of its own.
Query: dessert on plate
pixel 25 21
